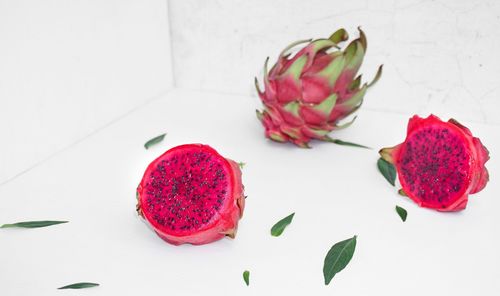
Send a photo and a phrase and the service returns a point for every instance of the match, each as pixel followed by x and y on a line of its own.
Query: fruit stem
pixel 386 154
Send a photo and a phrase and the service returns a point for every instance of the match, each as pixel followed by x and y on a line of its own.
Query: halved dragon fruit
pixel 439 164
pixel 191 194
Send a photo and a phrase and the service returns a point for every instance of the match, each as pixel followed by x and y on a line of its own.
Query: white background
pixel 84 84
pixel 68 68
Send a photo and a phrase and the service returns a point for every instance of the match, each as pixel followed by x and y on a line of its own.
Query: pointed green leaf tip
pixel 32 224
pixel 246 277
pixel 345 125
pixel 402 213
pixel 280 226
pixel 154 141
pixel 334 69
pixel 296 68
pixel 276 137
pixel 356 83
pixel 82 285
pixel 387 170
pixel 339 36
pixel 344 143
pixel 377 76
pixel 259 114
pixel 338 257
pixel 327 105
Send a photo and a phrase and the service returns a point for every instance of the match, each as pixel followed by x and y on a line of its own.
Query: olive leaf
pixel 338 257
pixel 402 213
pixel 154 141
pixel 387 170
pixel 241 164
pixel 82 285
pixel 280 226
pixel 32 224
pixel 246 277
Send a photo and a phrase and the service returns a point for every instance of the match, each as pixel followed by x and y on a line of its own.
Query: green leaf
pixel 276 137
pixel 260 115
pixel 246 277
pixel 280 226
pixel 377 76
pixel 356 83
pixel 79 286
pixel 339 36
pixel 327 105
pixel 295 69
pixel 344 143
pixel 338 257
pixel 402 213
pixel 387 170
pixel 154 141
pixel 293 107
pixel 356 99
pixel 241 164
pixel 334 69
pixel 32 224
pixel 345 125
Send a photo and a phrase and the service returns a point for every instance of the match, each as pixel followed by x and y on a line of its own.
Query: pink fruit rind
pixel 467 162
pixel 481 156
pixel 307 94
pixel 224 221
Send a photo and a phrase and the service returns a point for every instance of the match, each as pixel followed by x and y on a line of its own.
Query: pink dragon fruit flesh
pixel 191 194
pixel 307 95
pixel 439 164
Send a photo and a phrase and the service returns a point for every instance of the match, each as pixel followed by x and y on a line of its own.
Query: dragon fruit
pixel 306 96
pixel 439 164
pixel 191 194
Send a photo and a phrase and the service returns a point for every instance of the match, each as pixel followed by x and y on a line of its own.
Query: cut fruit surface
pixel 439 163
pixel 191 194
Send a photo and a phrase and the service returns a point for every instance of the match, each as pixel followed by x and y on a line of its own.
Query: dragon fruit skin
pixel 191 194
pixel 439 164
pixel 306 96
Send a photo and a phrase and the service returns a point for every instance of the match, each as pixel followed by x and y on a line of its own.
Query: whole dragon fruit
pixel 439 164
pixel 191 194
pixel 307 95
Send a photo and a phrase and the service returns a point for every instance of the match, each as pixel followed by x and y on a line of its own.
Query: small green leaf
pixel 402 192
pixel 79 286
pixel 387 170
pixel 346 125
pixel 339 36
pixel 246 277
pixel 280 226
pixel 327 105
pixel 154 141
pixel 276 137
pixel 241 164
pixel 295 69
pixel 344 143
pixel 32 224
pixel 293 107
pixel 377 76
pixel 402 213
pixel 338 257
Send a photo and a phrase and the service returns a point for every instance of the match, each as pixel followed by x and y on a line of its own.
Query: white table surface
pixel 335 191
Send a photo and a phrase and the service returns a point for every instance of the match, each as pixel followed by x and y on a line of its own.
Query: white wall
pixel 69 67
pixel 439 56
